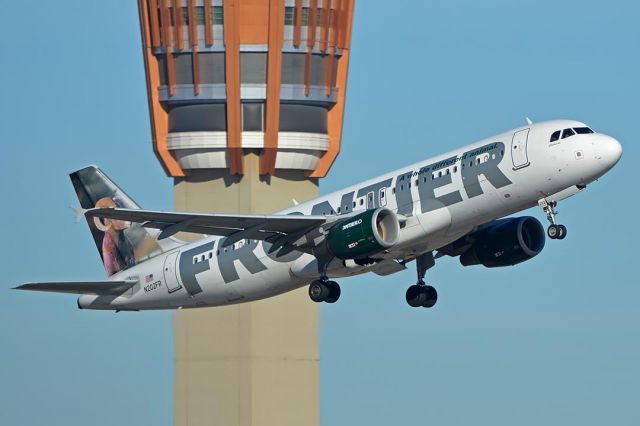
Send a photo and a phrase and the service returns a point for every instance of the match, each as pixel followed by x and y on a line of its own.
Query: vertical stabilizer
pixel 121 244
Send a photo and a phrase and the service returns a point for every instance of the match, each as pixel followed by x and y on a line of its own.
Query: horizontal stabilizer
pixel 100 288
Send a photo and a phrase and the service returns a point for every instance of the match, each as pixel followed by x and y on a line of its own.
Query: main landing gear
pixel 421 294
pixel 554 231
pixel 323 290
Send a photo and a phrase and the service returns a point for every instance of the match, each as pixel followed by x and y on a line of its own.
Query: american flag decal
pixel 148 278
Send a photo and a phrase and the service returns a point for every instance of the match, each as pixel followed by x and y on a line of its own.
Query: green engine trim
pixel 356 237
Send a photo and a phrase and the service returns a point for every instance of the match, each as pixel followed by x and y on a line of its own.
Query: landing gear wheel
pixel 318 291
pixel 563 232
pixel 415 296
pixel 557 232
pixel 334 292
pixel 421 295
pixel 431 296
pixel 324 291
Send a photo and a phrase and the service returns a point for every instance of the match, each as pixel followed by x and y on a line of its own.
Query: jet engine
pixel 506 242
pixel 364 234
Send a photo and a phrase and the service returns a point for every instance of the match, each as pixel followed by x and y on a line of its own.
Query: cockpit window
pixel 582 130
pixel 555 136
pixel 567 132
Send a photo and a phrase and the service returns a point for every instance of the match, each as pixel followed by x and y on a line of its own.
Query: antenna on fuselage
pixel 529 122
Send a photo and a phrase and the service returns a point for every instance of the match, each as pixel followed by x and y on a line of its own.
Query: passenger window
pixel 338 210
pixel 567 133
pixel 555 136
pixel 361 201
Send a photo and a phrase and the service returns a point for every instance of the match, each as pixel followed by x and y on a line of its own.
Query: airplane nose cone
pixel 608 151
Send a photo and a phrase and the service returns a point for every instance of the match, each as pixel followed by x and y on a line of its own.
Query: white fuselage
pixel 440 199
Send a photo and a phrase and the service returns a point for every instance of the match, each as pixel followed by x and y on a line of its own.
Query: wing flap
pixel 100 288
pixel 387 267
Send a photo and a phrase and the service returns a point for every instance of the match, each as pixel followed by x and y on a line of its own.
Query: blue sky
pixel 554 340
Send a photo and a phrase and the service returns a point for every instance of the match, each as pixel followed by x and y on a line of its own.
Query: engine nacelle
pixel 506 242
pixel 364 234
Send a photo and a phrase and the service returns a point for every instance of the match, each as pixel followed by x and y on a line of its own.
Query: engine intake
pixel 506 242
pixel 364 234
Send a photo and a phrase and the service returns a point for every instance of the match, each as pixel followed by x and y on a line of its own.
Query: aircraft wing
pixel 276 229
pixel 100 288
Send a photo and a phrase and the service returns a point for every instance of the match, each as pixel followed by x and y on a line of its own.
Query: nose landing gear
pixel 554 231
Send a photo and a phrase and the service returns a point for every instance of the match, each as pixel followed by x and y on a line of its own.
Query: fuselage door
pixel 519 149
pixel 170 276
pixel 383 197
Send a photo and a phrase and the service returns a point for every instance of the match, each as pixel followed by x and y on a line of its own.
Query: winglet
pixel 78 213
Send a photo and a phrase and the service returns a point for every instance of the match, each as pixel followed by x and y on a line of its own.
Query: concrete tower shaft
pixel 226 77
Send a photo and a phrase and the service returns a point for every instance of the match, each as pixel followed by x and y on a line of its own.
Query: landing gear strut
pixel 323 290
pixel 421 294
pixel 554 231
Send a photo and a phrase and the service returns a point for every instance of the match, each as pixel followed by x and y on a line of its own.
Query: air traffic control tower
pixel 246 99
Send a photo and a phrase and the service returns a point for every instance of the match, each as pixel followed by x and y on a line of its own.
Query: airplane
pixel 456 204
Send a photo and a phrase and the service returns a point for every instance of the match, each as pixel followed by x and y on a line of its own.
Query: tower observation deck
pixel 246 99
pixel 225 78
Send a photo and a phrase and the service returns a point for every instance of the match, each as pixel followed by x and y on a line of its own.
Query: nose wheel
pixel 554 231
pixel 421 295
pixel 557 232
